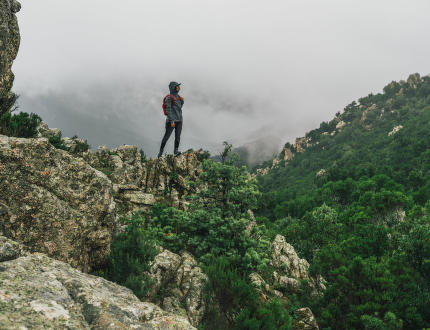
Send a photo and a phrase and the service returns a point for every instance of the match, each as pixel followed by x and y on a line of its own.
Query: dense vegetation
pixel 364 222
pixel 213 227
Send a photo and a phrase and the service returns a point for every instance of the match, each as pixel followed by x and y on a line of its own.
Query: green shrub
pixel 131 254
pixel 272 315
pixel 142 156
pixel 57 142
pixel 239 302
pixel 19 125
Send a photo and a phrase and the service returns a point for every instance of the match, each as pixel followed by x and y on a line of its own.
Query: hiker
pixel 172 106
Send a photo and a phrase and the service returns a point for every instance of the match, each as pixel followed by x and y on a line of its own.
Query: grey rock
pixel 290 270
pixel 10 250
pixel 168 175
pixel 139 197
pixel 38 292
pixel 55 203
pixel 43 130
pixel 305 320
pixel 182 281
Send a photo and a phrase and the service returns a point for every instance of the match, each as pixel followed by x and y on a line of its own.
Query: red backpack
pixel 173 101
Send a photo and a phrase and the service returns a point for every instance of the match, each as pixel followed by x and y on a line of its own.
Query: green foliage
pixel 272 315
pixel 80 146
pixel 230 289
pixel 388 323
pixel 226 187
pixel 142 156
pixel 238 300
pixel 19 125
pixel 131 253
pixel 57 142
pixel 216 219
pixel 416 244
pixel 364 225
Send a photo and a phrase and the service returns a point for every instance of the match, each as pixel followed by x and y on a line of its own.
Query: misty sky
pixel 249 69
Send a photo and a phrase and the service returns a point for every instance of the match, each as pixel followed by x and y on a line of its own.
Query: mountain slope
pixel 353 197
pixel 385 133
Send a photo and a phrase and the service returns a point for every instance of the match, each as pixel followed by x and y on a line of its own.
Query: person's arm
pixel 182 101
pixel 169 110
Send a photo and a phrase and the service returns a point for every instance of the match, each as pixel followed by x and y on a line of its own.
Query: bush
pixel 21 125
pixel 238 301
pixel 57 142
pixel 142 156
pixel 131 254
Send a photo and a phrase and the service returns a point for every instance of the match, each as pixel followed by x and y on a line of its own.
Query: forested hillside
pixel 354 201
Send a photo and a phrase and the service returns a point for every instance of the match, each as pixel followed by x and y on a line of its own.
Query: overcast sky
pixel 249 69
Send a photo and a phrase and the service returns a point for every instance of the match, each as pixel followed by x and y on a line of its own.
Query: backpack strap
pixel 173 98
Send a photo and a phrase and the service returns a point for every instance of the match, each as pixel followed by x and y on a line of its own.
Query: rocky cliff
pixel 66 204
pixel 9 45
pixel 55 203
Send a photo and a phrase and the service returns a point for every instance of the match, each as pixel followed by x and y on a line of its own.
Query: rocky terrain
pixel 59 212
pixel 43 293
pixel 51 193
pixel 39 291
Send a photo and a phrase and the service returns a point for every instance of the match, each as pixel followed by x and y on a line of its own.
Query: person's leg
pixel 178 130
pixel 169 130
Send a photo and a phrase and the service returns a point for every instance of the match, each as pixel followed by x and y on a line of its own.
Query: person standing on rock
pixel 172 106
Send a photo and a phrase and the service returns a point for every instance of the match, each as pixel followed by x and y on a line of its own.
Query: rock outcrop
pixel 395 130
pixel 305 320
pixel 9 45
pixel 290 270
pixel 65 203
pixel 38 292
pixel 55 203
pixel 10 250
pixel 167 176
pixel 182 281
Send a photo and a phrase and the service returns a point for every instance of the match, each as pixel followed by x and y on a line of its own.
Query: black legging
pixel 169 130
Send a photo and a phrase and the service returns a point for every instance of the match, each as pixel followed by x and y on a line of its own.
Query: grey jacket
pixel 174 111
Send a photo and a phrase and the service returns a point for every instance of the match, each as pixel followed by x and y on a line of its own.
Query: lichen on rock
pixel 38 292
pixel 290 270
pixel 181 281
pixel 55 203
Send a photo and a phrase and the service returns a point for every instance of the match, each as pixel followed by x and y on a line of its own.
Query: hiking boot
pixel 160 154
pixel 177 153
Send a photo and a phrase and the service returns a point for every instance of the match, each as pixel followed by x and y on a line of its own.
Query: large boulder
pixel 43 130
pixel 38 292
pixel 10 250
pixel 179 283
pixel 55 203
pixel 9 45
